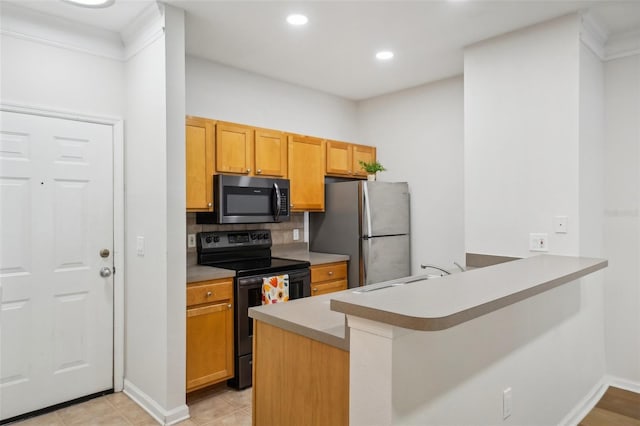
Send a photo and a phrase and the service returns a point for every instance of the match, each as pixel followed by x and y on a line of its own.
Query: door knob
pixel 105 272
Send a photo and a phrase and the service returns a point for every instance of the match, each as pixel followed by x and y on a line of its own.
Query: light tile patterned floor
pixel 219 406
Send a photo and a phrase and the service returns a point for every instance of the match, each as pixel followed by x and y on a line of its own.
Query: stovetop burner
pixel 246 252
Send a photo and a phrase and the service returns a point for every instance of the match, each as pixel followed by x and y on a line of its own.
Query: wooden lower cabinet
pixel 327 278
pixel 209 333
pixel 298 381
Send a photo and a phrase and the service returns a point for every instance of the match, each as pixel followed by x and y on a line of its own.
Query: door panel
pixel 386 208
pixel 386 258
pixel 56 214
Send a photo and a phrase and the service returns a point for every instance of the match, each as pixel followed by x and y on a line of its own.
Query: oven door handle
pixel 278 202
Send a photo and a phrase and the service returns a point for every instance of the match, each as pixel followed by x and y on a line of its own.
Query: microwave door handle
pixel 278 206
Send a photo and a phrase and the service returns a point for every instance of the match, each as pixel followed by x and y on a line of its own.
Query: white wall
pixel 175 193
pixel 225 93
pixel 419 137
pixel 37 73
pixel 622 221
pixel 155 211
pixel 533 145
pixel 457 376
pixel 521 139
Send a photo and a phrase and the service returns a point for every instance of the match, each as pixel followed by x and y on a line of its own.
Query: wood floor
pixel 617 407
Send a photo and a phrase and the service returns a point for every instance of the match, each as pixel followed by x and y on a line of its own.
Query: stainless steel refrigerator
pixel 369 221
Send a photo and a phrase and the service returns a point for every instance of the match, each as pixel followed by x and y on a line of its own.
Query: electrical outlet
pixel 296 234
pixel 191 240
pixel 507 403
pixel 538 242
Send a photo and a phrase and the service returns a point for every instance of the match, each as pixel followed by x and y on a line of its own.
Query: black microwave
pixel 246 199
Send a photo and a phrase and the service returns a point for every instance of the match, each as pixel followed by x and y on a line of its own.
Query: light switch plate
pixel 191 240
pixel 140 246
pixel 296 234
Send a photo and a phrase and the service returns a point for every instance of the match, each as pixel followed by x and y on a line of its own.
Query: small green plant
pixel 372 168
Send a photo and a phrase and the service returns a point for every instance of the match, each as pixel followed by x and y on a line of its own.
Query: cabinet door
pixel 209 344
pixel 199 159
pixel 270 148
pixel 306 173
pixel 339 158
pixel 234 144
pixel 362 153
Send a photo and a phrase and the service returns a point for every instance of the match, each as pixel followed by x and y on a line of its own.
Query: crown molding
pixel 27 24
pixel 623 45
pixel 143 30
pixel 592 34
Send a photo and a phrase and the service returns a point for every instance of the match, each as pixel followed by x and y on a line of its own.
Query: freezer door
pixel 385 208
pixel 385 258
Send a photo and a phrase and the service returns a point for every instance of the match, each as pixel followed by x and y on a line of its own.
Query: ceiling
pixel 334 52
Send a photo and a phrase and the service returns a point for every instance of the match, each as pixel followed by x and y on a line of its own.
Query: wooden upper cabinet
pixel 270 152
pixel 339 158
pixel 343 159
pixel 362 153
pixel 199 158
pixel 234 146
pixel 306 173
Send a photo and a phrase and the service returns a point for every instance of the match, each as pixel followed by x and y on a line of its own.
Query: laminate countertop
pixel 423 303
pixel 437 304
pixel 197 273
pixel 300 251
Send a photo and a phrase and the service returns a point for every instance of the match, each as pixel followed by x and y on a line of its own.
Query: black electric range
pixel 248 253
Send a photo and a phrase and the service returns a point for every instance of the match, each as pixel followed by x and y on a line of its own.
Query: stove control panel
pixel 208 241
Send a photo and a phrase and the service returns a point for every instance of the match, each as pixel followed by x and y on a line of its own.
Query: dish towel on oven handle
pixel 275 289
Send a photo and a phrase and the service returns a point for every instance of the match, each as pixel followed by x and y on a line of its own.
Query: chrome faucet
pixel 442 269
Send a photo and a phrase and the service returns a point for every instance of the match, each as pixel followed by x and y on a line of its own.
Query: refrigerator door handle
pixel 367 208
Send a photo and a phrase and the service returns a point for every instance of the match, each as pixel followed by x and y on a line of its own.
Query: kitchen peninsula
pixel 404 339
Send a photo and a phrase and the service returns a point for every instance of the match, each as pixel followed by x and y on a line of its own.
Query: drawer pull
pixel 209 294
pixel 315 289
pixel 330 272
pixel 229 306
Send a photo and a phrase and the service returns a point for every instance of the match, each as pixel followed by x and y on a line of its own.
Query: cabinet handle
pixel 229 306
pixel 315 289
pixel 209 294
pixel 259 171
pixel 248 170
pixel 330 272
pixel 291 205
pixel 210 204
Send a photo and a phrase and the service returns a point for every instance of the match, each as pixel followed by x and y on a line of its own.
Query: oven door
pixel 244 199
pixel 249 294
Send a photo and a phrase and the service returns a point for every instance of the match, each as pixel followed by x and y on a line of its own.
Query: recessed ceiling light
pixel 91 3
pixel 384 55
pixel 297 19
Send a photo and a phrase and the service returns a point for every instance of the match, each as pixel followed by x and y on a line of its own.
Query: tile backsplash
pixel 281 233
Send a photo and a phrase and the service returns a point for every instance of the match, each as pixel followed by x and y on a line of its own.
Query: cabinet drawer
pixel 332 271
pixel 328 287
pixel 208 292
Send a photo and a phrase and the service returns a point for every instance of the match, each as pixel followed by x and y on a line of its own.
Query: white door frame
pixel 117 125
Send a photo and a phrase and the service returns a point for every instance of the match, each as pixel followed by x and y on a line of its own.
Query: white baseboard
pixel 586 404
pixel 591 399
pixel 161 415
pixel 625 384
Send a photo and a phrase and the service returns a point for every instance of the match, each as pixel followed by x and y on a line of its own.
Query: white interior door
pixel 56 215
